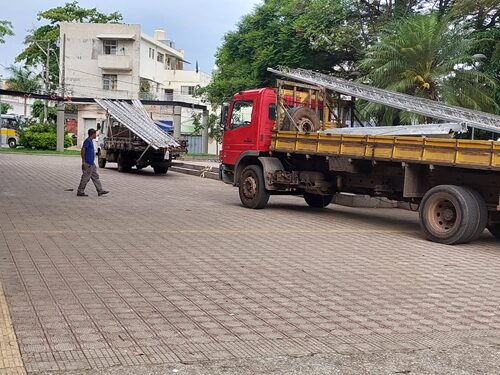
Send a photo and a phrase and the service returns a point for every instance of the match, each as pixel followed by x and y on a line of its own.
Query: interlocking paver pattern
pixel 170 269
pixel 10 357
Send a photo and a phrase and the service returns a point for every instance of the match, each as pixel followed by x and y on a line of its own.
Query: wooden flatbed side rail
pixel 449 152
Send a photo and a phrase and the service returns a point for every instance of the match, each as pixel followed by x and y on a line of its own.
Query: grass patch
pixel 21 150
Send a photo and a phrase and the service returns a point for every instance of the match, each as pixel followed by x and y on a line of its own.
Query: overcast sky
pixel 197 26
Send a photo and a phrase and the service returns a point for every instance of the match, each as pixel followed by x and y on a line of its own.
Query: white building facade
pixel 119 61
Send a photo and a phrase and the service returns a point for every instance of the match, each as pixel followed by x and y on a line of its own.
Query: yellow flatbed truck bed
pixel 472 154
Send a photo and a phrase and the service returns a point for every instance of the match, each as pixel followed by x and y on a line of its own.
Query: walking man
pixel 88 167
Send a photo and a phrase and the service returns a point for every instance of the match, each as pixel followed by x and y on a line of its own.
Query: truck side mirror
pixel 223 115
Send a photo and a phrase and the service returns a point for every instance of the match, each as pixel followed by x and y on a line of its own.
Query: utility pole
pixel 61 105
pixel 47 72
pixel 204 133
pixel 63 67
pixel 177 121
pixel 47 77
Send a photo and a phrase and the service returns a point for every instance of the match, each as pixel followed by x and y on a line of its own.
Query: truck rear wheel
pixel 253 193
pixel 160 170
pixel 449 214
pixel 495 230
pixel 123 163
pixel 483 214
pixel 317 200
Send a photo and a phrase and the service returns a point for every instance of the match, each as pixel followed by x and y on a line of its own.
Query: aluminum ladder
pixel 409 103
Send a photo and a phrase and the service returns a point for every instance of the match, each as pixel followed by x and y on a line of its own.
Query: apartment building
pixel 119 61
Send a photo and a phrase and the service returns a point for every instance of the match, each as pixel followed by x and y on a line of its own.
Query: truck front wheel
pixel 253 193
pixel 101 162
pixel 495 230
pixel 317 200
pixel 450 214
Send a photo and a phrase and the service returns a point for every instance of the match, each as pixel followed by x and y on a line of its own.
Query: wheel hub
pixel 448 214
pixel 444 215
pixel 249 187
pixel 305 125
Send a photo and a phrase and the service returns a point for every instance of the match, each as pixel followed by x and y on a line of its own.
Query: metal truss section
pixel 424 107
pixel 435 130
pixel 135 118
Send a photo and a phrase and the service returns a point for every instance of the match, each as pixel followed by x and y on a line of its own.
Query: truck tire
pixel 495 230
pixel 253 193
pixel 306 119
pixel 123 163
pixel 12 143
pixel 483 215
pixel 449 214
pixel 317 200
pixel 160 170
pixel 101 162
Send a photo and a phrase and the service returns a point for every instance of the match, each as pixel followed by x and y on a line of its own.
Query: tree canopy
pixel 424 56
pixel 342 38
pixel 46 37
pixel 5 30
pixel 23 79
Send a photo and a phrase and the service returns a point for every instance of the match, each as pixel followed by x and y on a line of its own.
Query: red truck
pixel 275 143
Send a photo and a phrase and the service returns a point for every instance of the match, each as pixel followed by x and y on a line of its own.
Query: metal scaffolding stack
pixel 136 119
pixel 424 107
pixel 434 130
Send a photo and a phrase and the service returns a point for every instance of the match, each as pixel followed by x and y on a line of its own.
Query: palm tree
pixel 429 57
pixel 23 79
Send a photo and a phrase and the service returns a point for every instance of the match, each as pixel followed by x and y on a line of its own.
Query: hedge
pixel 42 137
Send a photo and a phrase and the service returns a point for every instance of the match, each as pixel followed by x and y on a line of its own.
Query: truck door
pixel 240 134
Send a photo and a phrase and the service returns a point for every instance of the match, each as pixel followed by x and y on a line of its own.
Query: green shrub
pixel 42 137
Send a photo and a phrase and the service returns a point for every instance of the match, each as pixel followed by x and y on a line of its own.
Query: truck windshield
pixel 242 114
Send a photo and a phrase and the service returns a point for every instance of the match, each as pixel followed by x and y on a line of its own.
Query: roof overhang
pixel 116 36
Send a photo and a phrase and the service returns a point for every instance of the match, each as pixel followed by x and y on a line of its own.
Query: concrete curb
pixel 202 171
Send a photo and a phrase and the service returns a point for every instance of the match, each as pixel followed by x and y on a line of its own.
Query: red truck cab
pixel 248 126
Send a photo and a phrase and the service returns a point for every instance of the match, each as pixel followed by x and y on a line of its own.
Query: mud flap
pixel 269 166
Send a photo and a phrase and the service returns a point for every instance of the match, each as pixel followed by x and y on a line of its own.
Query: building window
pixel 187 90
pixel 110 47
pixel 169 94
pixel 159 57
pixel 151 53
pixel 109 81
pixel 167 63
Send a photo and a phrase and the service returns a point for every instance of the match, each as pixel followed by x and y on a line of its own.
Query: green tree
pixel 47 35
pixel 4 108
pixel 427 56
pixel 324 35
pixel 37 111
pixel 23 79
pixel 197 123
pixel 269 36
pixel 5 30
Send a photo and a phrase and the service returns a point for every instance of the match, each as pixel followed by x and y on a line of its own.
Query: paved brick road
pixel 171 269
